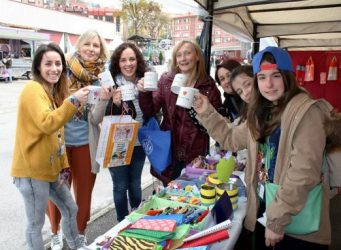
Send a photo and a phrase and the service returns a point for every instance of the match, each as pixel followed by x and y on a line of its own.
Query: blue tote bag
pixel 156 144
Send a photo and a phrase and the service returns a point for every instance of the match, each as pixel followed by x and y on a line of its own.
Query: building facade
pixel 224 45
pixel 22 33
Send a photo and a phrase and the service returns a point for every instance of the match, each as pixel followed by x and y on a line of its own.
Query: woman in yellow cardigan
pixel 40 167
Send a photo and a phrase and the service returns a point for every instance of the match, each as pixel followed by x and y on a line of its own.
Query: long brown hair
pixel 263 117
pixel 60 89
pixel 201 69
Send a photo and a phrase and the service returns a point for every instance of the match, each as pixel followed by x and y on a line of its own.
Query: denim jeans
pixel 128 178
pixel 36 194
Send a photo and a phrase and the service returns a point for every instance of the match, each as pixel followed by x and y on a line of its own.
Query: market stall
pixel 204 207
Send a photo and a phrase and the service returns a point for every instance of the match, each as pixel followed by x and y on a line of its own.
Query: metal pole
pixel 255 46
pixel 209 20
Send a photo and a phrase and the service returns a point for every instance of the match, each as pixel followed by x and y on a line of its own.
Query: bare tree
pixel 144 17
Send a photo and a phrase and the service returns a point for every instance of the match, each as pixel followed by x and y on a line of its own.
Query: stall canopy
pixel 295 25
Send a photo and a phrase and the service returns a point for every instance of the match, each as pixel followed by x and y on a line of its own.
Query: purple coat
pixel 188 141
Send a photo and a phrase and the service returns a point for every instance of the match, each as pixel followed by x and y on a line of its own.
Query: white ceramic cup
pixel 94 93
pixel 150 81
pixel 186 97
pixel 178 82
pixel 106 79
pixel 127 92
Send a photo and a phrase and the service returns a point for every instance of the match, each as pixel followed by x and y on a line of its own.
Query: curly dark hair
pixel 115 60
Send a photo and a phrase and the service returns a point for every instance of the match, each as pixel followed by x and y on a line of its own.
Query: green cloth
pixel 155 236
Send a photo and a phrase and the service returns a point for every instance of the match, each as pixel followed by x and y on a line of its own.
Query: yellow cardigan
pixel 36 143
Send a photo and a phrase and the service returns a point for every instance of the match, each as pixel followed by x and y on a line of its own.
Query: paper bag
pixel 117 140
pixel 300 74
pixel 309 70
pixel 332 70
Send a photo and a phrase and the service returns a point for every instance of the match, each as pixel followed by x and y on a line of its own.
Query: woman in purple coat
pixel 189 138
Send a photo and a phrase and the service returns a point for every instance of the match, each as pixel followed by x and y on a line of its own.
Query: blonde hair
pixel 200 67
pixel 89 35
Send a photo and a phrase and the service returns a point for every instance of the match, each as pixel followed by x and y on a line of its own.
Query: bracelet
pixel 74 101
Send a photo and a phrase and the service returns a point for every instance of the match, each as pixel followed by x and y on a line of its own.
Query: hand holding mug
pixel 140 85
pixel 200 103
pixel 82 94
pixel 106 93
pixel 116 96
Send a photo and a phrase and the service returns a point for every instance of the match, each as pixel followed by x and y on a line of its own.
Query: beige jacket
pixel 95 118
pixel 298 165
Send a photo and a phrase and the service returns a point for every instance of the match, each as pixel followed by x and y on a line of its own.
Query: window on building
pixel 109 19
pixel 118 24
pixel 217 40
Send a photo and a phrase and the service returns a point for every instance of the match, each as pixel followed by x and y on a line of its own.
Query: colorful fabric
pixel 128 243
pixel 179 218
pixel 150 235
pixel 83 73
pixel 155 225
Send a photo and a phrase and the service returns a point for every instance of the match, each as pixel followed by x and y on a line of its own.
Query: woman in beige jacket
pixel 285 137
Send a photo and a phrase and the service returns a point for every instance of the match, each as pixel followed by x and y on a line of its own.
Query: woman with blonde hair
pixel 82 131
pixel 189 138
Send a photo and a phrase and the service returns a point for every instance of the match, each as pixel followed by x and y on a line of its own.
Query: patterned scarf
pixel 82 73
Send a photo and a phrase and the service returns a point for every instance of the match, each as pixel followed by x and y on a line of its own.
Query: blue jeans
pixel 128 178
pixel 36 194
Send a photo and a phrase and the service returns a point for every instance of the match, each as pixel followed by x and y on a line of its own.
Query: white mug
pixel 127 92
pixel 178 82
pixel 106 79
pixel 186 97
pixel 150 81
pixel 94 93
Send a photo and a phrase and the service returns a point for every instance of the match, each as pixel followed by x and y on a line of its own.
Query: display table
pixel 228 244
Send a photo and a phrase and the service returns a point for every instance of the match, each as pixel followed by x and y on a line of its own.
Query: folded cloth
pixel 179 218
pixel 156 225
pixel 150 235
pixel 127 243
